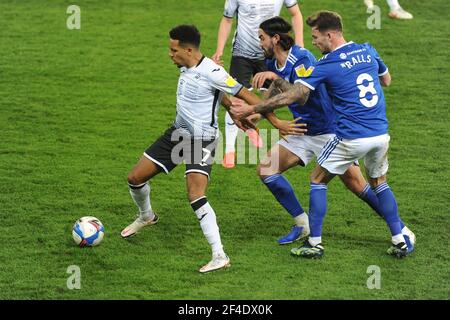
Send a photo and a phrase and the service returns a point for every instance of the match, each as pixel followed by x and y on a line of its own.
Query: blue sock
pixel 317 208
pixel 283 192
pixel 388 208
pixel 371 199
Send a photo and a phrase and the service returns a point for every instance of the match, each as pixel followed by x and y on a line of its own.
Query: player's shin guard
pixel 283 192
pixel 208 223
pixel 141 196
pixel 368 196
pixel 231 132
pixel 388 208
pixel 317 210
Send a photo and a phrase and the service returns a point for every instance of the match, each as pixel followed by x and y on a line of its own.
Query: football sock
pixel 388 208
pixel 393 4
pixel 283 192
pixel 301 220
pixel 231 132
pixel 317 208
pixel 371 199
pixel 314 241
pixel 141 196
pixel 208 223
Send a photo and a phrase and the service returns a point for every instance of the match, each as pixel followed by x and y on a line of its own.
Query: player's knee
pixel 134 179
pixel 267 168
pixel 194 195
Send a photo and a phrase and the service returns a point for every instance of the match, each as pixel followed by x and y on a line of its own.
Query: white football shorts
pixel 338 154
pixel 306 147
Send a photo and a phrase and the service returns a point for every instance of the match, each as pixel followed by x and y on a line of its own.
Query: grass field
pixel 78 107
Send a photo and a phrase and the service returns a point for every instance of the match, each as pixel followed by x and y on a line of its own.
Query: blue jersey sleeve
pixel 311 77
pixel 382 68
pixel 301 69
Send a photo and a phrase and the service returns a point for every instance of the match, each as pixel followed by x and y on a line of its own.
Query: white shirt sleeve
pixel 221 80
pixel 290 3
pixel 231 7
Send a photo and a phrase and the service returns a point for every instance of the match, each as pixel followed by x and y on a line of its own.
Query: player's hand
pixel 254 118
pixel 291 127
pixel 245 124
pixel 217 58
pixel 239 109
pixel 261 77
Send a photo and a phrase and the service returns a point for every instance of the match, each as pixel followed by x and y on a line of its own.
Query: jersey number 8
pixel 364 89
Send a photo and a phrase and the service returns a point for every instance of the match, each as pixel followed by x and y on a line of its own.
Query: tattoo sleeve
pixel 290 93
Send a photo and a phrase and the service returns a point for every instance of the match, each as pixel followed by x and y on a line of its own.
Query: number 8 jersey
pixel 350 74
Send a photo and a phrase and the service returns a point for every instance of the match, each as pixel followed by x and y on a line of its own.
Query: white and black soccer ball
pixel 88 232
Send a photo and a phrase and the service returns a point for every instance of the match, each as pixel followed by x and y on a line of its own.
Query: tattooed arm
pixel 284 93
pixel 290 93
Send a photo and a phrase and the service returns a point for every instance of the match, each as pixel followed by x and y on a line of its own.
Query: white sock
pixel 141 196
pixel 302 220
pixel 208 223
pixel 231 132
pixel 393 4
pixel 406 231
pixel 314 241
pixel 398 238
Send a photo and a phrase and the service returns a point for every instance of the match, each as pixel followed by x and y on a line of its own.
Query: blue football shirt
pixel 318 112
pixel 350 74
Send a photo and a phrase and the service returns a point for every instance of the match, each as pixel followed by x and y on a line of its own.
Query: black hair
pixel 281 27
pixel 186 34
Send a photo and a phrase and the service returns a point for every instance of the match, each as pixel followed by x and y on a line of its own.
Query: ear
pixel 277 38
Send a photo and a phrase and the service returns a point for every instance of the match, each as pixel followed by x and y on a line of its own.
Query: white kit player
pixel 192 139
pixel 396 11
pixel 247 56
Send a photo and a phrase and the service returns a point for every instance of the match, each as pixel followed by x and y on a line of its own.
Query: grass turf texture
pixel 77 108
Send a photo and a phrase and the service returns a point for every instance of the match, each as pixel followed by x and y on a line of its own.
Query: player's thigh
pixel 376 160
pixel 353 179
pixel 277 160
pixel 144 170
pixel 338 155
pixel 291 151
pixel 242 70
pixel 158 157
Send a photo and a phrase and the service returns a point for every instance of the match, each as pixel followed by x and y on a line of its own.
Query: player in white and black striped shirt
pixel 191 139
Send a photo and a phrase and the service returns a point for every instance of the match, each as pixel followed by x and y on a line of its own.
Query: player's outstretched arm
pixel 243 124
pixel 296 93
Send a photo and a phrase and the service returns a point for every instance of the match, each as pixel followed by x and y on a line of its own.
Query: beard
pixel 268 54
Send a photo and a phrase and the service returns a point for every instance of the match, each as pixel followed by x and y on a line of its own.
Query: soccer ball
pixel 88 231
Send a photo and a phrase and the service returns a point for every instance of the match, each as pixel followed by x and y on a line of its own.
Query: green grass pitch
pixel 78 107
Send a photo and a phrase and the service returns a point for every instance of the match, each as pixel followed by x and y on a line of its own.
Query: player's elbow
pixel 302 94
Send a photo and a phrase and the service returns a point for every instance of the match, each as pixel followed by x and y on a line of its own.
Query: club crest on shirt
pixel 302 72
